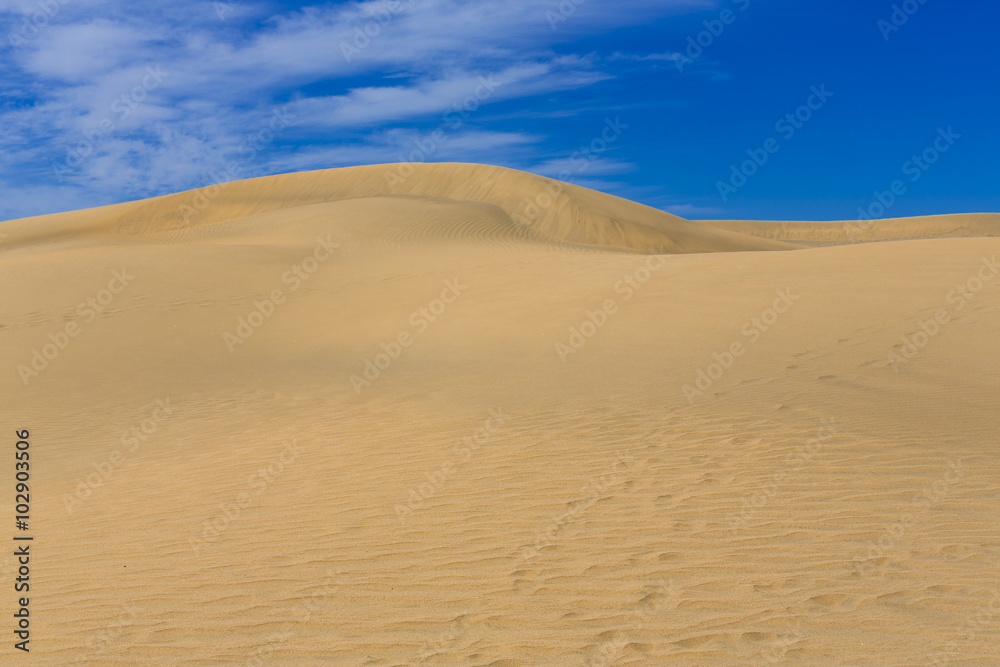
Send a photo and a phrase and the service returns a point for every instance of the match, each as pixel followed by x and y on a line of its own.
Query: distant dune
pixel 466 415
pixel 962 225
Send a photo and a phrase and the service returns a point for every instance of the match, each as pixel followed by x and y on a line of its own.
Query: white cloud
pixel 580 164
pixel 68 52
pixel 226 76
pixel 668 57
pixel 693 211
pixel 453 96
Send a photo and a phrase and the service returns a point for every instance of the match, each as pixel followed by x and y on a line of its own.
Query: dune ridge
pixel 958 225
pixel 536 207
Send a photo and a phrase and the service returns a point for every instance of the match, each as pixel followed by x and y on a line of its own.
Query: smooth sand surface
pixel 864 230
pixel 471 432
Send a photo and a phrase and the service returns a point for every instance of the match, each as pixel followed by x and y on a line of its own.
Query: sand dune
pixel 866 231
pixel 331 419
pixel 532 207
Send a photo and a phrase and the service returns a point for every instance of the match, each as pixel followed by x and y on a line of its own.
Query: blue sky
pixel 105 102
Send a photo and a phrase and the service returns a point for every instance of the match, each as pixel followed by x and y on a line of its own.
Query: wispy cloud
pixel 693 211
pixel 66 139
pixel 648 57
pixel 598 166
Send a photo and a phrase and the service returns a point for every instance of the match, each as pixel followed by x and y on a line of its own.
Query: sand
pixel 470 416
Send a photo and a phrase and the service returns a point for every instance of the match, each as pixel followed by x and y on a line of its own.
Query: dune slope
pixel 321 423
pixel 534 207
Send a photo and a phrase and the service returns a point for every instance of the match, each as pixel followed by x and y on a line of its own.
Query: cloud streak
pixel 224 77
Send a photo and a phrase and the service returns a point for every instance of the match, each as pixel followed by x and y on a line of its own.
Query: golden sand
pixel 472 416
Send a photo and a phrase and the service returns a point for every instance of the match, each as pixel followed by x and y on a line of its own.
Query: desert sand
pixel 462 415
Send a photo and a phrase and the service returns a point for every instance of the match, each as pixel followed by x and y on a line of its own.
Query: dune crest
pixel 533 207
pixel 959 225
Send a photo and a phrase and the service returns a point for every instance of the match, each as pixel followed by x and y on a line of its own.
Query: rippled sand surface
pixel 477 417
